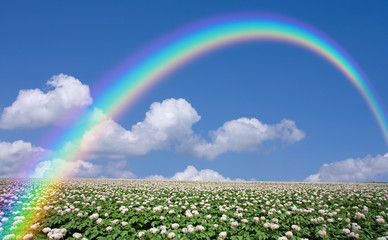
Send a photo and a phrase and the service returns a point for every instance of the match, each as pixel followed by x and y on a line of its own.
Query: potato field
pixel 147 209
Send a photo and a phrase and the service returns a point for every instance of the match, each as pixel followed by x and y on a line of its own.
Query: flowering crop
pixel 142 209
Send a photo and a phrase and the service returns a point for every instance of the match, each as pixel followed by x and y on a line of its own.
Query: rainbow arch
pixel 185 45
pixel 137 75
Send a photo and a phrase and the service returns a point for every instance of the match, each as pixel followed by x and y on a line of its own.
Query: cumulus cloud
pixel 170 124
pixel 35 108
pixel 117 169
pixel 192 174
pixel 352 170
pixel 165 123
pixel 242 134
pixel 15 156
pixel 81 168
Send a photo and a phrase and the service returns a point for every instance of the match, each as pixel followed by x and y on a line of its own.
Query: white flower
pixel 157 209
pixel 28 236
pixel 356 227
pixel 140 234
pixel 35 226
pixel 93 216
pixel 171 212
pixel 171 235
pixel 295 227
pixel 355 235
pixel 346 231
pixel 274 226
pixel 234 224
pixel 9 236
pixel 174 225
pixel 359 216
pixel 222 235
pixel 322 233
pixel 108 229
pixel 56 233
pixel 190 229
pixel 199 228
pixel 77 235
pixel 99 221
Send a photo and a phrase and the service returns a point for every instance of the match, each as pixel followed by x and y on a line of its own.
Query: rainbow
pixel 134 77
pixel 191 42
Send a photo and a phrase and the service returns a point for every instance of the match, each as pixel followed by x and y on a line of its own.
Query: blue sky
pixel 267 81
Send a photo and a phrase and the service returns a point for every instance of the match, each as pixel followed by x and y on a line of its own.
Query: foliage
pixel 128 209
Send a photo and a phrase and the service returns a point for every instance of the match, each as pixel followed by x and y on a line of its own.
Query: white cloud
pixel 170 123
pixel 34 108
pixel 192 174
pixel 352 170
pixel 81 168
pixel 164 124
pixel 58 167
pixel 242 134
pixel 116 169
pixel 15 156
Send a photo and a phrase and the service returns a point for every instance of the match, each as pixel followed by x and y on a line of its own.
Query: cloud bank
pixel 35 108
pixel 170 122
pixel 116 169
pixel 167 125
pixel 82 168
pixel 15 155
pixel 239 135
pixel 352 170
pixel 164 124
pixel 192 174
